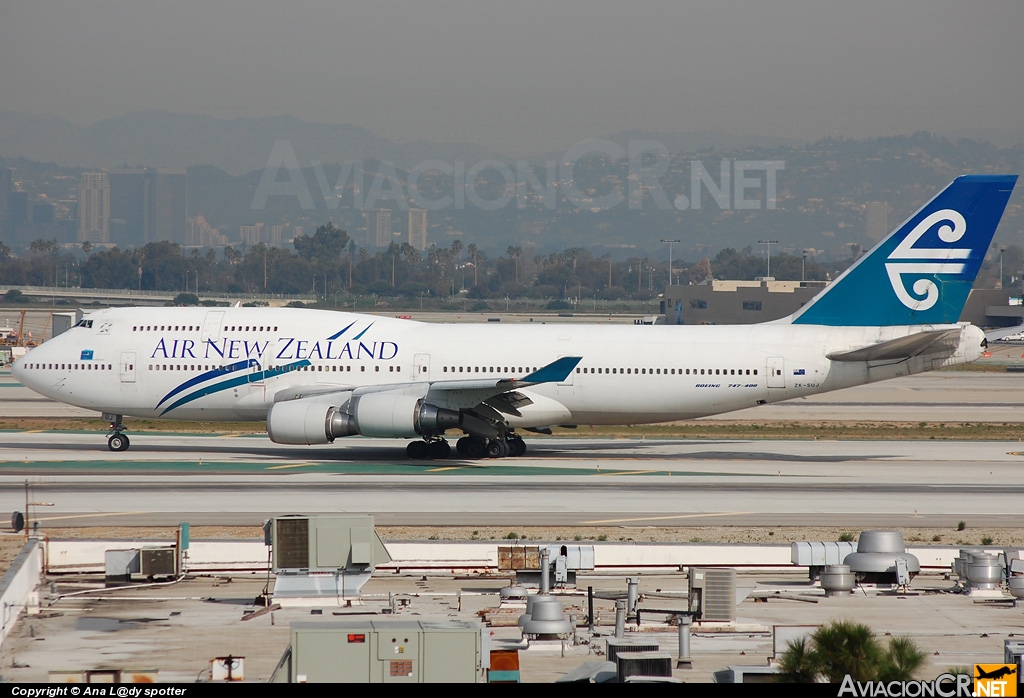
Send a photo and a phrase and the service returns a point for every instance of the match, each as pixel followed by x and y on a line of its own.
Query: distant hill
pixel 177 141
pixel 677 142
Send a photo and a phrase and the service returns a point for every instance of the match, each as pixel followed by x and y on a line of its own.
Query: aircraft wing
pixel 498 393
pixel 900 348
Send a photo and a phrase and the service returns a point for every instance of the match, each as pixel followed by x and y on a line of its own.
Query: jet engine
pixel 321 420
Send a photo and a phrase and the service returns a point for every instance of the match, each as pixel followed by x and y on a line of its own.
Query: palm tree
pixel 513 253
pixel 798 663
pixel 472 251
pixel 901 661
pixel 845 648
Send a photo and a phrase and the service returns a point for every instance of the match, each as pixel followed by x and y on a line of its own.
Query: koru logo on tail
pixel 925 262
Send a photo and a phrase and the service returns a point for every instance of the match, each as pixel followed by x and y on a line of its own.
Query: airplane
pixel 316 375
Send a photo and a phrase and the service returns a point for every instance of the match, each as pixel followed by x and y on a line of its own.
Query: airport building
pixel 716 302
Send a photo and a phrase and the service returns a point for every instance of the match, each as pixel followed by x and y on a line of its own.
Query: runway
pixel 170 477
pixel 213 480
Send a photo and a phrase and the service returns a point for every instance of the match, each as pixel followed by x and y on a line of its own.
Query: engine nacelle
pixel 387 414
pixel 308 421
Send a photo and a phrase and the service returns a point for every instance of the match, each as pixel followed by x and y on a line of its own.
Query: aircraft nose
pixel 18 370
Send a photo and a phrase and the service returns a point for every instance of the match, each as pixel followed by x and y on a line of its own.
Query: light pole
pixel 769 244
pixel 803 263
pixel 1001 250
pixel 670 259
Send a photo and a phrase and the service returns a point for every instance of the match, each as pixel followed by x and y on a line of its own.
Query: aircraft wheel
pixel 462 446
pixel 516 447
pixel 439 450
pixel 475 448
pixel 416 450
pixel 118 442
pixel 497 448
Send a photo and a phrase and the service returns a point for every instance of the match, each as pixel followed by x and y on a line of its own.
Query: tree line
pixel 328 265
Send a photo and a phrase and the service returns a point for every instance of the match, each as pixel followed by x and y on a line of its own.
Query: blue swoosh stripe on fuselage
pixel 343 331
pixel 235 382
pixel 360 335
pixel 208 375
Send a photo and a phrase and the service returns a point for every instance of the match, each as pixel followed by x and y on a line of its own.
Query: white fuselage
pixel 233 363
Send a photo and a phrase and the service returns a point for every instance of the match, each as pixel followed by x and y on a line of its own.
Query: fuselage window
pixel 460 369
pixel 444 369
pixel 376 369
pixel 362 368
pixel 348 368
pixel 577 369
pixel 755 371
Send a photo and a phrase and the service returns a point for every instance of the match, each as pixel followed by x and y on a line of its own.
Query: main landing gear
pixel 467 447
pixel 434 449
pixel 473 447
pixel 116 440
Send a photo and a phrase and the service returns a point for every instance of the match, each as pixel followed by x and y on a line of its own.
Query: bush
pixel 961 526
pixel 15 296
pixel 188 299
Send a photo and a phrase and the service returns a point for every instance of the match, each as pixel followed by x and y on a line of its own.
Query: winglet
pixel 555 372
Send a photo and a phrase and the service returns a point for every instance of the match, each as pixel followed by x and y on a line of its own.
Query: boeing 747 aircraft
pixel 317 375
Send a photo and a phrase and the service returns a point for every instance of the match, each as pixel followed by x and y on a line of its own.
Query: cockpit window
pixel 83 323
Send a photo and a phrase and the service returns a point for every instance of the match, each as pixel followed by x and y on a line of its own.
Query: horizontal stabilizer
pixel 901 348
pixel 1003 333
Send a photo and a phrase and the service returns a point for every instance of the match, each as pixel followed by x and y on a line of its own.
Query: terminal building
pixel 716 302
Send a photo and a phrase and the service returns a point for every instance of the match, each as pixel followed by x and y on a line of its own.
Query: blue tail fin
pixel 923 271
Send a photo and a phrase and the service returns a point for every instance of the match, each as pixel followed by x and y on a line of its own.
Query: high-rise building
pixel 94 207
pixel 876 220
pixel 202 234
pixel 148 206
pixel 44 213
pixel 418 228
pixel 6 189
pixel 378 227
pixel 251 234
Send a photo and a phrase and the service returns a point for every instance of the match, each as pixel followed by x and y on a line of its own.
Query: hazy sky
pixel 526 76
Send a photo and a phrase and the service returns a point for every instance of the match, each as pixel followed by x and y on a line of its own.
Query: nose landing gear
pixel 116 440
